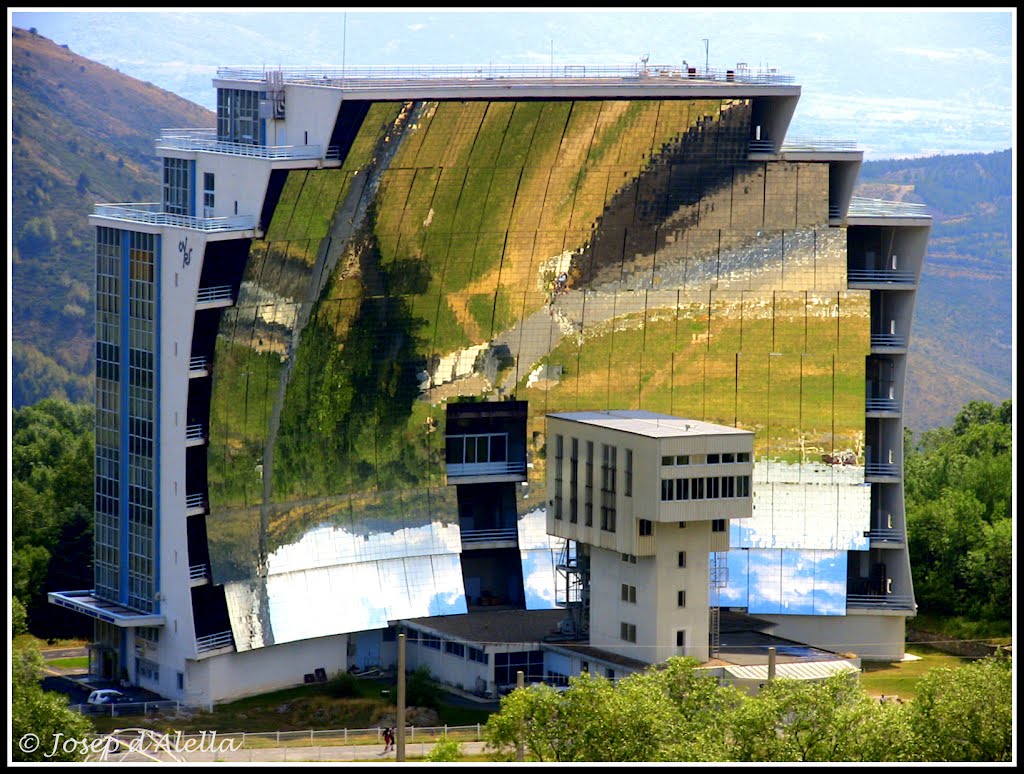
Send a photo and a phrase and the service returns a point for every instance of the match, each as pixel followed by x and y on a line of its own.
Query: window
pixel 743 456
pixel 681 598
pixel 667 490
pixel 455 648
pixel 668 460
pixel 530 663
pixel 718 525
pixel 208 195
pixel 728 457
pixel 645 527
pixel 627 631
pixel 743 486
pixel 477 655
pixel 728 486
pixel 148 633
pixel 681 641
pixel 559 448
pixel 629 473
pixel 181 681
pixel 147 670
pixel 608 476
pixel 176 186
pixel 431 642
pixel 682 525
pixel 609 673
pixel 476 449
pixel 574 465
pixel 629 558
pixel 588 487
pixel 412 635
pixel 628 593
pixel 682 558
pixel 713 459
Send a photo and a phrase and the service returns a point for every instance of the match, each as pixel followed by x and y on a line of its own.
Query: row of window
pixel 609 478
pixel 673 460
pixel 704 488
pixel 457 649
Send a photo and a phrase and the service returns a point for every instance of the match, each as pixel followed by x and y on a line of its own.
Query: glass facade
pixel 125 469
pixel 238 116
pixel 576 255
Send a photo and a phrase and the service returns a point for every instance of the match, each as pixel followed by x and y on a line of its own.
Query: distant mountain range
pixel 83 133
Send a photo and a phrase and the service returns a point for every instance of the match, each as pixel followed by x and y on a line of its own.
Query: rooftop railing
pixel 369 77
pixel 898 601
pixel 205 140
pixel 881 275
pixel 864 207
pixel 152 214
pixel 215 642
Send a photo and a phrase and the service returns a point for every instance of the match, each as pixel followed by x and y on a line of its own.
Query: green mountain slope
pixel 961 338
pixel 81 133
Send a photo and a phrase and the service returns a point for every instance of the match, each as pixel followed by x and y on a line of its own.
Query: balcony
pixel 215 297
pixel 198 367
pixel 195 504
pixel 485 471
pixel 152 214
pixel 880 601
pixel 879 279
pixel 888 341
pixel 194 435
pixel 506 537
pixel 213 644
pixel 863 207
pixel 885 538
pixel 198 574
pixel 882 472
pixel 205 141
pixel 882 407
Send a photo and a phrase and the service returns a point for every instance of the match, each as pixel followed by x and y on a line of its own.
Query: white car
pixel 106 696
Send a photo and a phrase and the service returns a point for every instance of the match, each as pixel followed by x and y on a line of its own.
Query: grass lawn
pixel 81 662
pixel 900 678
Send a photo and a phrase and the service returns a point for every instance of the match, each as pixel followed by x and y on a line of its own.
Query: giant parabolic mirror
pixel 577 255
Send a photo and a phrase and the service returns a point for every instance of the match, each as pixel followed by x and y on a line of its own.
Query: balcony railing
pixel 194 434
pixel 890 405
pixel 152 214
pixel 761 146
pixel 198 366
pixel 485 469
pixel 889 276
pixel 489 535
pixel 215 642
pixel 882 469
pixel 205 141
pixel 897 601
pixel 214 294
pixel 817 144
pixel 888 535
pixel 198 572
pixel 861 206
pixel 195 503
pixel 888 340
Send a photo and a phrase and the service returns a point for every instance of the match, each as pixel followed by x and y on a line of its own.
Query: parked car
pixel 106 696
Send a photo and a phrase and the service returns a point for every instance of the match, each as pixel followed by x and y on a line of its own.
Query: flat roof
pixel 494 626
pixel 649 424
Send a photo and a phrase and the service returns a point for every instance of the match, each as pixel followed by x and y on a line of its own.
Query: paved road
pixel 218 750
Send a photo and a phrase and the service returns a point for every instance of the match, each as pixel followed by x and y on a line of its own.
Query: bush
pixel 421 691
pixel 343 686
pixel 445 750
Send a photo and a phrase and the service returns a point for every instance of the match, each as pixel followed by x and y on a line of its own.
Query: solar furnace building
pixel 324 359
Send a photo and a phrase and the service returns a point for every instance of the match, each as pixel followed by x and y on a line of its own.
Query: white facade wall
pixel 236 675
pixel 870 634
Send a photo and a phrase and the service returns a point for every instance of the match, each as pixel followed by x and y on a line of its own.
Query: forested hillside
pixel 81 133
pixel 960 343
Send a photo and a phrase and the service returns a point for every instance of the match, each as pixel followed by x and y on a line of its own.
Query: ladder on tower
pixel 718 578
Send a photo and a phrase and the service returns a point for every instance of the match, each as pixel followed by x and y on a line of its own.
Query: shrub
pixel 445 750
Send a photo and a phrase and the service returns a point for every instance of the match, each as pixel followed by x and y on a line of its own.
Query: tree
pixel 965 714
pixel 41 716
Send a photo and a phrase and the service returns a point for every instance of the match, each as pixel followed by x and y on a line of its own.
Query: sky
pixel 899 83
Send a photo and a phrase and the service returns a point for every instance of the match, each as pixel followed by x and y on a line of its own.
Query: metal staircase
pixel 718 578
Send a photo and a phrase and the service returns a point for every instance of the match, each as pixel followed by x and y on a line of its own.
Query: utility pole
pixel 771 664
pixel 400 716
pixel 706 42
